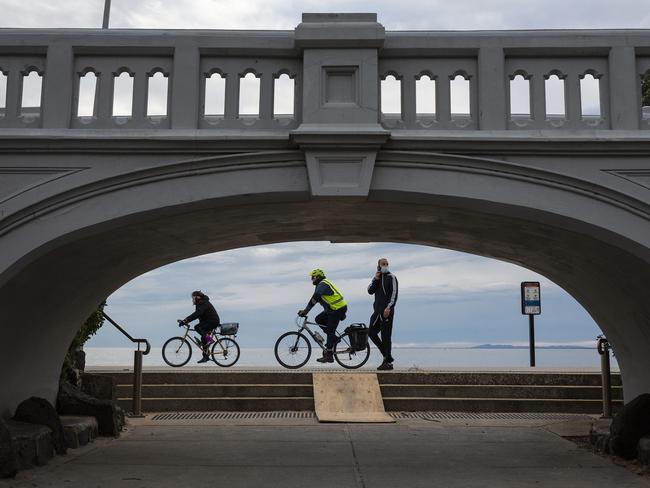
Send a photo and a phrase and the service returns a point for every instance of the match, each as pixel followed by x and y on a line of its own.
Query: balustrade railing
pixel 159 81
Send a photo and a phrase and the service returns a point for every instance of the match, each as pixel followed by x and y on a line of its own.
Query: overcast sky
pixel 446 297
pixel 285 14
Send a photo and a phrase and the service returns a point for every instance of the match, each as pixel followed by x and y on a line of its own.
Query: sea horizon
pixel 418 357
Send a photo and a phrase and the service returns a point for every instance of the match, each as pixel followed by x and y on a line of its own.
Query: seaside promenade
pixel 302 453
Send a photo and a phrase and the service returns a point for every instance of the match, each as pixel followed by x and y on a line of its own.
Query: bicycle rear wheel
pixel 176 352
pixel 292 350
pixel 346 356
pixel 225 352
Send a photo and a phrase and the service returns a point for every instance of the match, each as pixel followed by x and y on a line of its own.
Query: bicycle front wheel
pixel 225 352
pixel 346 356
pixel 176 352
pixel 292 350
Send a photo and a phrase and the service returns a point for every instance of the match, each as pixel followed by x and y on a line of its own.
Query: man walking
pixel 334 310
pixel 384 287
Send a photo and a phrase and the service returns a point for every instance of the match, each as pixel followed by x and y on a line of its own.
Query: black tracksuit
pixel 385 289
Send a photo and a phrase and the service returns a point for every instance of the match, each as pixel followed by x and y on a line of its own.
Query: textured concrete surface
pixel 413 454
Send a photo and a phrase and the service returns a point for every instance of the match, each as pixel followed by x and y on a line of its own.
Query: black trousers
pixel 380 325
pixel 329 321
pixel 204 329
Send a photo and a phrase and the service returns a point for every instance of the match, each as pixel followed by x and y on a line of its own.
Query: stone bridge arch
pixel 65 253
pixel 89 202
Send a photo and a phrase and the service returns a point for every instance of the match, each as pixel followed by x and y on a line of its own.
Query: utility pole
pixel 107 13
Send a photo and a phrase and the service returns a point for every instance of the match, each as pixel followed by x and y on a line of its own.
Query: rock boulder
pixel 72 401
pixel 36 410
pixel 8 463
pixel 630 424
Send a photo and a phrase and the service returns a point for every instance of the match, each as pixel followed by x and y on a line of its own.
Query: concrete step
pixel 79 430
pixel 409 391
pixel 211 377
pixel 406 404
pixel 219 376
pixel 414 404
pixel 518 378
pixel 388 390
pixel 224 404
pixel 498 391
pixel 216 391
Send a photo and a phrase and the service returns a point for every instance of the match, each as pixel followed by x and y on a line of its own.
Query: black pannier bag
pixel 358 334
pixel 229 328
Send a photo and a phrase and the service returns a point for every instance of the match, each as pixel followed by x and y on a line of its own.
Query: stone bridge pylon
pixel 124 150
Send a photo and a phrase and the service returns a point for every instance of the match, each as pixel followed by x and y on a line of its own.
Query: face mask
pixel 384 269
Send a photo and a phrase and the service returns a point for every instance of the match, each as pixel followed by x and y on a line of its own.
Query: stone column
pixel 184 85
pixel 340 131
pixel 624 97
pixel 57 86
pixel 491 89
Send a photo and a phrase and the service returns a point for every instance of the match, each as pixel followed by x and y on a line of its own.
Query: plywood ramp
pixel 352 397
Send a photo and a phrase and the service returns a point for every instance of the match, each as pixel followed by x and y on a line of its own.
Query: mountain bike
pixel 293 349
pixel 224 350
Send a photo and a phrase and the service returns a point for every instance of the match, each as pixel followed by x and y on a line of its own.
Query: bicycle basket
pixel 358 334
pixel 229 328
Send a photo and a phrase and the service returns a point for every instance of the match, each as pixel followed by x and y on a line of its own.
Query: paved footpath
pixel 304 454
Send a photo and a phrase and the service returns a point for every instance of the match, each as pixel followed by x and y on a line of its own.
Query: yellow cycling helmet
pixel 317 273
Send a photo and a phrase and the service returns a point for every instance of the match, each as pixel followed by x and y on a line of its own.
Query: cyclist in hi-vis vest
pixel 334 311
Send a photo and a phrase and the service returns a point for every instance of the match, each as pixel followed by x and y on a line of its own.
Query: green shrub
pixel 87 330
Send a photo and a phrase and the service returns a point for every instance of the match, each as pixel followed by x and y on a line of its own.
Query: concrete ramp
pixel 348 398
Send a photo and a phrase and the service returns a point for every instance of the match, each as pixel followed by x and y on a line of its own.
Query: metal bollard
pixel 137 384
pixel 603 349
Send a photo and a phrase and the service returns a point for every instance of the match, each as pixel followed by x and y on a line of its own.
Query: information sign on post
pixel 531 305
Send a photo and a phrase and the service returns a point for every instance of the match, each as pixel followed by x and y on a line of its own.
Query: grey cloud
pixel 281 14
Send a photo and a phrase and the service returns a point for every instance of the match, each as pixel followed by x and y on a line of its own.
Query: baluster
pixel 443 103
pixel 408 100
pixel 13 94
pixel 538 99
pixel 572 102
pixel 140 89
pixel 266 96
pixel 231 108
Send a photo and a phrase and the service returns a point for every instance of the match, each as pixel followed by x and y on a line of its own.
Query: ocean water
pixel 406 357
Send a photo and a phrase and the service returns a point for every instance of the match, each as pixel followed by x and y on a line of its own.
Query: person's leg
pixel 329 327
pixel 321 320
pixel 202 330
pixel 333 319
pixel 386 337
pixel 373 332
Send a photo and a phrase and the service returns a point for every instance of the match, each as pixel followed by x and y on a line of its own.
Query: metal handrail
pixel 603 346
pixel 137 366
pixel 132 339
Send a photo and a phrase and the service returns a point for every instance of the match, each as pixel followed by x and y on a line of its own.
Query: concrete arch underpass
pixel 83 236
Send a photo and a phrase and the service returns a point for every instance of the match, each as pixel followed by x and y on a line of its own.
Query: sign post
pixel 531 305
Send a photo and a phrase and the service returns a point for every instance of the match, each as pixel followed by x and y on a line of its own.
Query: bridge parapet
pixel 423 81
